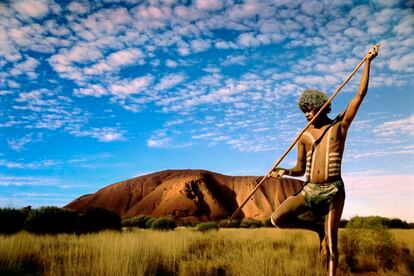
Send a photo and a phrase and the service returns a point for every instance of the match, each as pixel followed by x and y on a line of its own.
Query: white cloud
pixel 163 142
pixel 187 13
pixel 312 81
pixel 171 63
pixel 29 165
pixel 6 180
pixel 94 90
pixel 390 151
pixel 353 32
pixel 26 67
pixel 111 136
pixel 159 139
pixel 208 4
pixel 235 60
pixel 116 60
pixel 128 87
pixel 404 63
pixel 102 134
pixel 37 195
pixel 248 40
pixel 406 25
pixel 124 57
pixel 245 11
pixel 221 44
pixel 200 45
pixel 397 128
pixel 170 81
pixel 31 8
pixel 19 143
pixel 78 7
pixel 312 8
pixel 81 53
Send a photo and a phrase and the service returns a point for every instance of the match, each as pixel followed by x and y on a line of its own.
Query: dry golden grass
pixel 405 237
pixel 265 251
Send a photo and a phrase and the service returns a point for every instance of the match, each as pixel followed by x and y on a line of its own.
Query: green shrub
pixel 206 226
pixel 97 219
pixel 163 224
pixel 235 223
pixel 343 223
pixel 268 223
pixel 193 223
pixel 51 220
pixel 139 221
pixel 150 222
pixel 371 222
pixel 11 220
pixel 376 221
pixel 251 223
pixel 397 223
pixel 366 245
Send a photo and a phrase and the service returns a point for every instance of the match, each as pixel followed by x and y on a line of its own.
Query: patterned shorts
pixel 318 197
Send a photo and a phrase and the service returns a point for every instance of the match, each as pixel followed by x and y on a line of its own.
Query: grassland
pixel 264 251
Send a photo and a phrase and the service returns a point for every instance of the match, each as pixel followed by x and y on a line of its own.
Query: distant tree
pixel 370 222
pixel 343 223
pixel 398 223
pixel 163 224
pixel 51 220
pixel 139 221
pixel 96 219
pixel 11 220
pixel 376 222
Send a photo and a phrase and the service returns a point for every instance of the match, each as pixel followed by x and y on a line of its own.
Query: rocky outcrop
pixel 190 195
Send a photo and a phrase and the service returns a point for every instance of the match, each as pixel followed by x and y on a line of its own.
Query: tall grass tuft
pixel 369 246
pixel 207 226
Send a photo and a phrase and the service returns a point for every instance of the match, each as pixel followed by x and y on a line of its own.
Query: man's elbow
pixel 362 92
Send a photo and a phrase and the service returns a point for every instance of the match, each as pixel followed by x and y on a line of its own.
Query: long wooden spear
pixel 298 136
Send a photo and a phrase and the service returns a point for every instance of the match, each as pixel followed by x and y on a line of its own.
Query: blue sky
pixel 96 92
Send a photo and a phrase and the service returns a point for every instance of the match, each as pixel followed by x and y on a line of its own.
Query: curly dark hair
pixel 312 99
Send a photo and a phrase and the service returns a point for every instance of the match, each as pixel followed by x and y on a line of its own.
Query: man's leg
pixel 331 230
pixel 285 216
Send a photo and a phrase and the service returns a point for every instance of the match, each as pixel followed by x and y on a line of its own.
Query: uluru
pixel 190 195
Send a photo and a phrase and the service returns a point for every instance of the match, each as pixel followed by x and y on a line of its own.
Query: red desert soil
pixel 190 195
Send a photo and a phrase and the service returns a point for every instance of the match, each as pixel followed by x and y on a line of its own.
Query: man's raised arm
pixel 353 106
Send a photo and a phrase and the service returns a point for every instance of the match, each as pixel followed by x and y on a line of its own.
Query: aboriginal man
pixel 320 151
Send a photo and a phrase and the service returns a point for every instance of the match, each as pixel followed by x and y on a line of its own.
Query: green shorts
pixel 318 197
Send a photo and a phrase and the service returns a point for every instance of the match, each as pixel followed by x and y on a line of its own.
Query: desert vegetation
pixel 186 251
pixel 55 220
pixel 367 246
